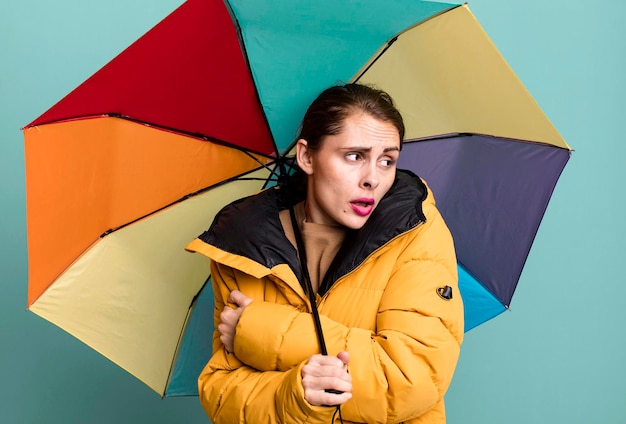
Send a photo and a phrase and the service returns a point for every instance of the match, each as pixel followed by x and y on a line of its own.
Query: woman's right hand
pixel 230 317
pixel 327 372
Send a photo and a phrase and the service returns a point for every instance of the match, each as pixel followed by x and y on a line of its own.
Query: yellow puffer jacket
pixel 380 301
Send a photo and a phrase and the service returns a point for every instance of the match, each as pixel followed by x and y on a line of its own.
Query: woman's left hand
pixel 321 373
pixel 230 317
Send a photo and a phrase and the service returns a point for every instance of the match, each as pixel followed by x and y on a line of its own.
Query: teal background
pixel 556 357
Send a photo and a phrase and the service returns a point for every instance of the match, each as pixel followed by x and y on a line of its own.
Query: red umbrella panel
pixel 132 165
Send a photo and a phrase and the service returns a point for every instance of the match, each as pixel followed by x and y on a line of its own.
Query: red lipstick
pixel 363 206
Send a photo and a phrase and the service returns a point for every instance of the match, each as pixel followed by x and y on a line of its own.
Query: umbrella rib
pixel 282 163
pixel 244 53
pixel 181 336
pixel 371 62
pixel 393 40
pixel 487 289
pixel 192 134
pixel 470 134
pixel 187 196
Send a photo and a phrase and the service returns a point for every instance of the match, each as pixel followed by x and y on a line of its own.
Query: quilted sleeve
pixel 233 392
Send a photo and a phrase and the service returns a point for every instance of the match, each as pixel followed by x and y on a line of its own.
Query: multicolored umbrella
pixel 130 166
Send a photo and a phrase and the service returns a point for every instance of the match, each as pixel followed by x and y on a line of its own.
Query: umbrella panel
pixel 88 176
pixel 492 192
pixel 196 347
pixel 479 304
pixel 188 73
pixel 304 47
pixel 446 77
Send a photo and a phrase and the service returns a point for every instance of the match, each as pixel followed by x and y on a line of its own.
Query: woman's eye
pixel 387 162
pixel 353 156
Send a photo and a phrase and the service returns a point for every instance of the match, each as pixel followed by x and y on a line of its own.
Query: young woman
pixel 379 257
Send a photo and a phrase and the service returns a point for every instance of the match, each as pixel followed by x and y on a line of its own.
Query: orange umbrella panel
pixel 88 176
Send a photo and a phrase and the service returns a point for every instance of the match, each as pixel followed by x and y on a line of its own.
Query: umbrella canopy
pixel 130 166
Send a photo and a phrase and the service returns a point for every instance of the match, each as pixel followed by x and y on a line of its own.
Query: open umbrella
pixel 130 166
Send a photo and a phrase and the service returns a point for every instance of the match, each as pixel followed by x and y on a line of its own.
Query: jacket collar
pixel 251 227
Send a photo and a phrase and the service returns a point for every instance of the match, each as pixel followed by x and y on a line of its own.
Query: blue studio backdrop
pixel 556 357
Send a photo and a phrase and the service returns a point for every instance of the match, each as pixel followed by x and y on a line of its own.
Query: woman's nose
pixel 370 178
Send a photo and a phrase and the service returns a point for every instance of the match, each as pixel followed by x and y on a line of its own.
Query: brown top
pixel 321 242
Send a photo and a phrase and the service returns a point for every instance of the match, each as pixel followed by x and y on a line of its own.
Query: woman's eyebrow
pixel 369 149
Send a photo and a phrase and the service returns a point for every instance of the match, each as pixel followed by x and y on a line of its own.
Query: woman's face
pixel 351 171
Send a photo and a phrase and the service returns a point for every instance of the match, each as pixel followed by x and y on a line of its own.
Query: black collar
pixel 251 227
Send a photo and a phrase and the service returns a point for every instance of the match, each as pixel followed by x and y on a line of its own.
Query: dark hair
pixel 326 114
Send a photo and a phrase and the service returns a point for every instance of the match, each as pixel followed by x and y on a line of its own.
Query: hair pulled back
pixel 327 113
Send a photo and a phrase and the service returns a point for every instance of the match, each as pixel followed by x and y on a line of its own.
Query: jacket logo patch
pixel 445 292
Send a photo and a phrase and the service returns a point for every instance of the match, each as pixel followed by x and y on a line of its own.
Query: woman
pixel 382 267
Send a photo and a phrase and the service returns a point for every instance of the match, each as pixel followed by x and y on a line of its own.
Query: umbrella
pixel 131 165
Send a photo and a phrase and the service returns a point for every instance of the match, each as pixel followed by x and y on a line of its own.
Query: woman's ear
pixel 304 156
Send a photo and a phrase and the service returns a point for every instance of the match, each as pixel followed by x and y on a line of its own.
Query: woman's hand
pixel 230 317
pixel 327 372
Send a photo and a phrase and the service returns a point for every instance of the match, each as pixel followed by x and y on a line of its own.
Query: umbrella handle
pixel 308 287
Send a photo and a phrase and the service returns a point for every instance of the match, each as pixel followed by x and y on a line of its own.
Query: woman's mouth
pixel 363 206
